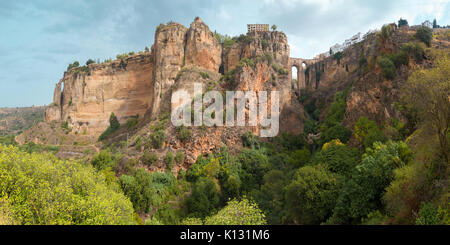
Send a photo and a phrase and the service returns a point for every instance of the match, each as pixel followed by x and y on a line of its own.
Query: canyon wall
pixel 142 84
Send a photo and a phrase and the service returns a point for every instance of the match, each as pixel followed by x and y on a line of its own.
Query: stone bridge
pixel 301 65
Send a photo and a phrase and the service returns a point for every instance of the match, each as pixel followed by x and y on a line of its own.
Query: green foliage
pixel 387 67
pixel 90 61
pixel 149 158
pixel 184 134
pixel 337 158
pixel 236 212
pixel 367 132
pixel 336 132
pixel 362 193
pixel 299 158
pixel 132 122
pixel 402 22
pixel 250 140
pixel 204 75
pixel 428 215
pixel 274 27
pixel 169 160
pixel 311 196
pixel 8 140
pixel 75 64
pixel 386 31
pixel 338 56
pixel 41 189
pixel 425 35
pixel 414 49
pixel 179 157
pixel 254 165
pixel 157 138
pixel 114 125
pixel 204 199
pixel 103 160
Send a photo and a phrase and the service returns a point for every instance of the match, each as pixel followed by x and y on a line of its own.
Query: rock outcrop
pixel 142 84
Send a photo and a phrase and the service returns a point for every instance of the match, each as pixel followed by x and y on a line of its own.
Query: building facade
pixel 257 27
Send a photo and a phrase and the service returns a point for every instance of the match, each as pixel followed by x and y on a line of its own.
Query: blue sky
pixel 39 38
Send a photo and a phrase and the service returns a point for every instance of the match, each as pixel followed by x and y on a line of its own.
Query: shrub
pixel 204 199
pixel 204 75
pixel 114 125
pixel 425 35
pixel 414 50
pixel 41 189
pixel 387 67
pixel 169 160
pixel 149 158
pixel 250 140
pixel 236 212
pixel 103 160
pixel 338 56
pixel 75 64
pixel 367 132
pixel 336 132
pixel 158 138
pixel 179 157
pixel 184 134
pixel 90 61
pixel 132 122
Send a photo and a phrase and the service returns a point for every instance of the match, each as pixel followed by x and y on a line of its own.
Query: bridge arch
pixel 302 66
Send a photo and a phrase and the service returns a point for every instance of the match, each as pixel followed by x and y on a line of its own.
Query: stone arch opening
pixel 304 65
pixel 294 77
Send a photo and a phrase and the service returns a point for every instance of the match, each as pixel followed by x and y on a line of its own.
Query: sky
pixel 40 38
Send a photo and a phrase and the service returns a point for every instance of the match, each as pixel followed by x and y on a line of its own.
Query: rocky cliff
pixel 142 84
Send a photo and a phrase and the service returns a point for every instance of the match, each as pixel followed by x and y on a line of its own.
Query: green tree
pixel 204 199
pixel 311 196
pixel 387 67
pixel 274 27
pixel 428 215
pixel 158 138
pixel 425 35
pixel 169 160
pixel 90 61
pixel 362 194
pixel 402 22
pixel 427 91
pixel 367 132
pixel 242 212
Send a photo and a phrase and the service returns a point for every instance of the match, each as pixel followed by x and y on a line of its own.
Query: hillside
pixel 16 120
pixel 363 133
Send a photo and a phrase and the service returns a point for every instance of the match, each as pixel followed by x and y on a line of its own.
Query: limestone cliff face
pixel 88 97
pixel 168 51
pixel 202 49
pixel 142 84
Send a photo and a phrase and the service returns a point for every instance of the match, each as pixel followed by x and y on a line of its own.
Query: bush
pixel 90 61
pixel 169 160
pixel 75 64
pixel 414 50
pixel 40 189
pixel 243 212
pixel 367 132
pixel 336 132
pixel 204 75
pixel 250 140
pixel 114 125
pixel 204 199
pixel 425 35
pixel 338 56
pixel 387 67
pixel 179 157
pixel 158 138
pixel 132 122
pixel 184 134
pixel 149 158
pixel 103 160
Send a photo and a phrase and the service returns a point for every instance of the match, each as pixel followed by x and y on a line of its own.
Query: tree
pixel 387 67
pixel 428 215
pixel 362 193
pixel 311 196
pixel 204 198
pixel 169 160
pixel 102 160
pixel 337 158
pixel 274 27
pixel 435 25
pixel 367 132
pixel 427 91
pixel 402 22
pixel 113 122
pixel 299 158
pixel 90 61
pixel 425 35
pixel 158 138
pixel 242 212
pixel 179 157
pixel 74 65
